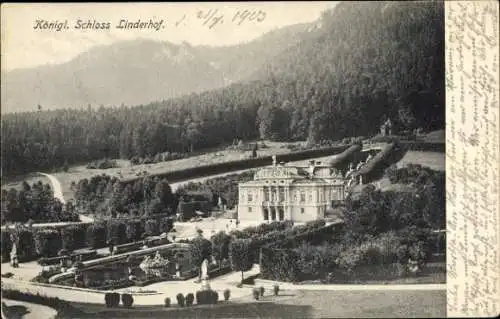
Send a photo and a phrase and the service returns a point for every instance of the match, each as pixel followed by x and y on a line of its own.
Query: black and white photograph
pixel 224 160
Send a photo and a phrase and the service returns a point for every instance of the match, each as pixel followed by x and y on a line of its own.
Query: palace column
pixel 288 208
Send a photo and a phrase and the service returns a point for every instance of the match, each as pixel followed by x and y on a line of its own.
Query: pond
pixel 164 266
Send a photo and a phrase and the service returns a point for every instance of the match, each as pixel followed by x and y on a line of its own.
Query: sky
pixel 24 46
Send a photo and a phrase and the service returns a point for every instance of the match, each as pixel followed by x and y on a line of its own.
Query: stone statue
pixel 13 256
pixel 204 275
pixel 204 269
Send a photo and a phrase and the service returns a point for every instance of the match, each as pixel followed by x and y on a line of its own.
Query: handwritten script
pixel 472 163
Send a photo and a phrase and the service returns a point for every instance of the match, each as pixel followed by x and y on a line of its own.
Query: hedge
pixel 96 236
pixel 342 160
pixel 205 170
pixel 134 230
pixel 73 257
pixel 187 210
pixel 116 232
pixel 376 166
pixel 151 227
pixel 73 237
pixel 26 246
pixel 60 305
pixel 6 245
pixel 424 146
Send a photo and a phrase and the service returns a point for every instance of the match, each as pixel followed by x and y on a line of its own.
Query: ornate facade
pixel 283 192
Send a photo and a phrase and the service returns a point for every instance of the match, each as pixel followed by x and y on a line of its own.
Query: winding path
pixel 56 187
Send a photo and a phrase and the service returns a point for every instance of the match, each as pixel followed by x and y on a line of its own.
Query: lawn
pixel 304 304
pixel 433 160
pixel 126 170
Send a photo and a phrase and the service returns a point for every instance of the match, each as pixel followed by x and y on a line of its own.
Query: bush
pixel 256 293
pixel 189 299
pixel 276 289
pixel 112 299
pixel 180 300
pixel 167 302
pixel 227 294
pixel 127 300
pixel 261 291
pixel 102 164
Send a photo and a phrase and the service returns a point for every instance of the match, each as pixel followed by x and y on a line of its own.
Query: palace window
pixel 302 197
pixel 249 209
pixel 310 198
pixel 302 210
pixel 282 193
pixel 250 197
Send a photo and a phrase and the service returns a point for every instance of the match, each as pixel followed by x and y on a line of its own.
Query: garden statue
pixel 204 275
pixel 368 158
pixel 13 256
pixel 177 270
pixel 413 266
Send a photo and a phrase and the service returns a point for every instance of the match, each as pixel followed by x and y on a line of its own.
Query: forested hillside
pixel 364 62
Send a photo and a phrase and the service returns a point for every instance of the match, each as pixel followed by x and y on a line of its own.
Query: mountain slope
pixel 138 72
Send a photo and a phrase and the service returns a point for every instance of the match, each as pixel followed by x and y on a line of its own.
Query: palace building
pixel 283 192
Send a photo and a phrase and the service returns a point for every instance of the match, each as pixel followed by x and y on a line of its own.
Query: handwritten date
pixel 214 17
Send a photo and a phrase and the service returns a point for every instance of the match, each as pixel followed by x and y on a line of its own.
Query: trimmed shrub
pixel 227 294
pixel 261 289
pixel 112 299
pixel 207 297
pixel 47 242
pixel 256 293
pixel 167 302
pixel 96 236
pixel 127 300
pixel 180 300
pixel 276 289
pixel 189 299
